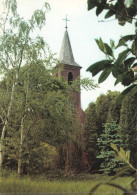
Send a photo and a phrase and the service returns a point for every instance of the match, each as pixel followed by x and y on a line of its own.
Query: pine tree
pixel 109 135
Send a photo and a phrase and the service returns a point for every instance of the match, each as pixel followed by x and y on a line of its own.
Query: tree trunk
pixel 20 168
pixel 67 161
pixel 4 129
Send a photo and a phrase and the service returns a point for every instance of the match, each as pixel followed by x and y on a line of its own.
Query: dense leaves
pixel 110 133
pixel 96 115
pixel 49 122
pixel 91 135
pixel 124 11
pixel 120 66
pixel 128 117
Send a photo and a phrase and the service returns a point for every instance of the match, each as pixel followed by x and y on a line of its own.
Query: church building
pixel 70 72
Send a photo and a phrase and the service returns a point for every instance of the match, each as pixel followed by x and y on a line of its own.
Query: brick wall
pixel 76 95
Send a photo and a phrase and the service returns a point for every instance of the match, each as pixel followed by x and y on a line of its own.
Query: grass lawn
pixel 26 185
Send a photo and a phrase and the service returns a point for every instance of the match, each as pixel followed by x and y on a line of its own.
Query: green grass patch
pixel 16 185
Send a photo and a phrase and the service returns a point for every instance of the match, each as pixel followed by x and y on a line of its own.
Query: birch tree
pixel 18 47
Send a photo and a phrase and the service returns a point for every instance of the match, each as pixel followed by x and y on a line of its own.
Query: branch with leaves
pixel 123 66
pixel 124 10
pixel 120 155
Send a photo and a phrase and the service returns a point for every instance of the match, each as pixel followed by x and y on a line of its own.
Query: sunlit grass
pixel 16 185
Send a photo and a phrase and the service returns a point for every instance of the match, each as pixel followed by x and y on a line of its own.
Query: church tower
pixel 70 71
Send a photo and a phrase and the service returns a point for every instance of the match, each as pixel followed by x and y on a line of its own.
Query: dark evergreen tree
pixel 128 117
pixel 110 135
pixel 106 108
pixel 91 135
pixel 114 109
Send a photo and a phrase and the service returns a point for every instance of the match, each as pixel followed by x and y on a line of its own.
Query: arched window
pixel 70 78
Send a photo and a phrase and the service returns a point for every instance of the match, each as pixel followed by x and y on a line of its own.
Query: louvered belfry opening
pixel 70 78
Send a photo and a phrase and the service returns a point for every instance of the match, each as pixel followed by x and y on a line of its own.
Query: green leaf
pixel 121 43
pixel 129 62
pixel 91 4
pixel 112 43
pixel 128 37
pixel 123 40
pixel 128 3
pixel 108 49
pixel 128 155
pixel 109 14
pixel 99 9
pixel 124 93
pixel 98 66
pixel 114 147
pixel 100 44
pixel 122 56
pixel 122 154
pixel 119 79
pixel 128 78
pixel 121 21
pixel 116 71
pixel 104 47
pixel 104 74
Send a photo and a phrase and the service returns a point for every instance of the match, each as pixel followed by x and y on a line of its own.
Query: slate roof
pixel 66 55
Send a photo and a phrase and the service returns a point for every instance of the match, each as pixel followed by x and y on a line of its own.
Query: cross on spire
pixel 66 19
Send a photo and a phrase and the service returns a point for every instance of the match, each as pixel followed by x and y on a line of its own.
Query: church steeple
pixel 70 72
pixel 66 55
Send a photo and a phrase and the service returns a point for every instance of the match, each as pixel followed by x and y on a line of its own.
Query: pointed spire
pixel 66 54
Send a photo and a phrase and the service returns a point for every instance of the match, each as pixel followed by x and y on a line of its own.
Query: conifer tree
pixel 128 117
pixel 91 135
pixel 110 135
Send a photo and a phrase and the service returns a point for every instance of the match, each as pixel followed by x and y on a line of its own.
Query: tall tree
pixel 128 120
pixel 91 135
pixel 106 107
pixel 48 119
pixel 97 114
pixel 122 66
pixel 111 134
pixel 18 47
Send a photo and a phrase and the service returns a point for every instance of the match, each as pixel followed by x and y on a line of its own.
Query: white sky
pixel 83 28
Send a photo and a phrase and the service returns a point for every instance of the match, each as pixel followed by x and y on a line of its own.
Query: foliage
pixel 110 134
pixel 91 135
pixel 114 109
pixel 19 46
pixel 106 108
pixel 49 118
pixel 122 66
pixel 128 117
pixel 124 156
pixel 96 115
pixel 124 11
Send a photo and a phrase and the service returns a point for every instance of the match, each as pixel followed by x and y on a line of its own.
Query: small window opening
pixel 70 78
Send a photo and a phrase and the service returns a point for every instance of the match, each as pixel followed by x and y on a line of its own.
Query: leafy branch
pixel 122 155
pixel 124 11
